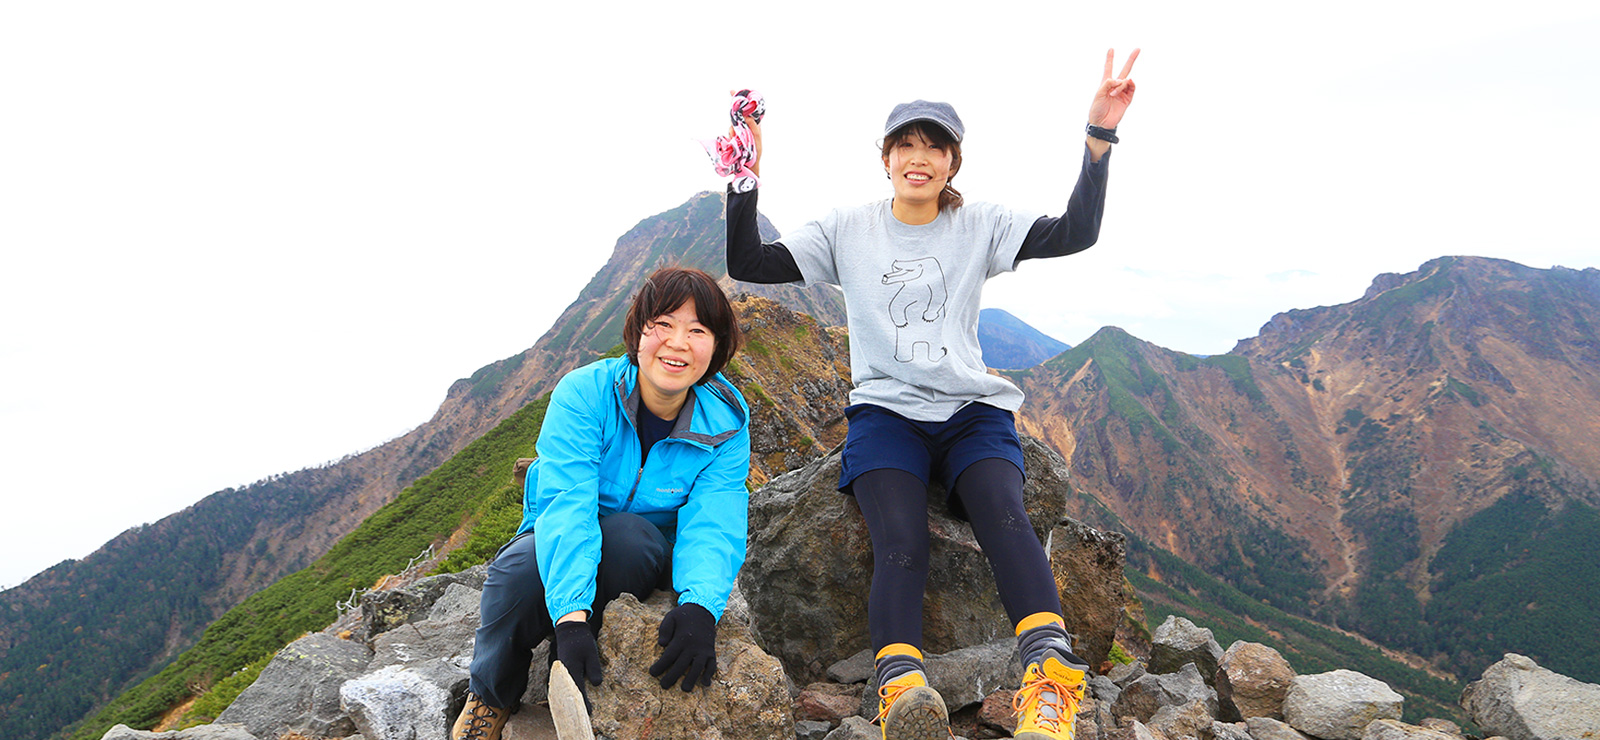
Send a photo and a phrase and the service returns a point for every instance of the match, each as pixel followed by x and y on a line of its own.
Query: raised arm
pixel 748 259
pixel 1079 228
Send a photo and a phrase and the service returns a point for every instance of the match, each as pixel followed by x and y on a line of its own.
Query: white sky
pixel 238 239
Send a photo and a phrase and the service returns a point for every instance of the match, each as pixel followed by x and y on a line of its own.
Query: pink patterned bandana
pixel 733 154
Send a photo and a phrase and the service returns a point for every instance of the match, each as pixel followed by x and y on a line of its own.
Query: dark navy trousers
pixel 635 558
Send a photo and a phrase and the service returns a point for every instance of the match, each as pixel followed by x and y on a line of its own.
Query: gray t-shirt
pixel 913 294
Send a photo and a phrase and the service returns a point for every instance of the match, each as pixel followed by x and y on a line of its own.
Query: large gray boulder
pixel 1522 701
pixel 962 677
pixel 809 569
pixel 385 609
pixel 298 691
pixel 1146 695
pixel 748 699
pixel 1252 680
pixel 438 651
pixel 397 703
pixel 1338 705
pixel 1178 641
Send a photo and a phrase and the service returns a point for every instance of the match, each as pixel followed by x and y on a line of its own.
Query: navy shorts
pixel 879 438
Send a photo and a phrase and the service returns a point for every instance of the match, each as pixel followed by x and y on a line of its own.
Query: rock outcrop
pixel 1338 705
pixel 747 699
pixel 1252 681
pixel 810 567
pixel 1178 641
pixel 1521 701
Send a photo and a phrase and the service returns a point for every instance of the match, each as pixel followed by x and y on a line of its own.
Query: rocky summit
pixel 387 673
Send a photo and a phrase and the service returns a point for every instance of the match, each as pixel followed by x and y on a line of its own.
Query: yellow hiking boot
pixel 478 721
pixel 911 710
pixel 908 709
pixel 1047 703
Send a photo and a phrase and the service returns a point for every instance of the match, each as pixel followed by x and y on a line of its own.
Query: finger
pixel 593 669
pixel 669 625
pixel 668 657
pixel 1110 53
pixel 1128 66
pixel 711 670
pixel 674 672
pixel 691 676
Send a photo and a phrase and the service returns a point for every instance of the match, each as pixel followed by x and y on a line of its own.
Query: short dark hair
pixel 670 287
pixel 949 198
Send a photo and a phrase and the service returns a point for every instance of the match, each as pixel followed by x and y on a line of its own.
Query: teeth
pixel 920 178
pixel 676 363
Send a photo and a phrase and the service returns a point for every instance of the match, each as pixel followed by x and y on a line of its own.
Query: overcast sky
pixel 238 239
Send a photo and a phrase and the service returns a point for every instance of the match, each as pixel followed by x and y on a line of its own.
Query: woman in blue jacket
pixel 639 485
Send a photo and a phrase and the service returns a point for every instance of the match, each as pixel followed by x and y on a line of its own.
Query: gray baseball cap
pixel 922 110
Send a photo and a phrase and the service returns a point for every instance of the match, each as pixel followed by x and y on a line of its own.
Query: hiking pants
pixel 635 558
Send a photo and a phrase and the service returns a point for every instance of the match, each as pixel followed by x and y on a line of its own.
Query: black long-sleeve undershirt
pixel 1078 229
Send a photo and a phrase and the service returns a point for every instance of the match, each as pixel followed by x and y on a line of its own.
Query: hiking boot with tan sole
pixel 909 709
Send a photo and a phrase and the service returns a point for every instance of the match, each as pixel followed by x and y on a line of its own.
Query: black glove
pixel 576 650
pixel 689 634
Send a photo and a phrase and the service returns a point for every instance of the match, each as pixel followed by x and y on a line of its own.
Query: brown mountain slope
pixel 1326 464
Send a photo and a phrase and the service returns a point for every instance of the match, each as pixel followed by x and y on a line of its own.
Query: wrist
pixel 577 616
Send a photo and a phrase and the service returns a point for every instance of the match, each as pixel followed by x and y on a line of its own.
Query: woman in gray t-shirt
pixel 912 270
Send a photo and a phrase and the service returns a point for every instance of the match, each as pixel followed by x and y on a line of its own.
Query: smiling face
pixel 920 161
pixel 675 350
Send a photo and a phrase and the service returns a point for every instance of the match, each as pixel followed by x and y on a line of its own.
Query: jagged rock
pixel 1393 729
pixel 854 728
pixel 458 602
pixel 1123 674
pixel 748 698
pixel 1146 695
pixel 811 730
pixel 963 677
pixel 298 691
pixel 1193 719
pixel 396 703
pixel 1094 720
pixel 1522 701
pixel 854 669
pixel 1104 689
pixel 1088 571
pixel 1267 728
pixel 382 611
pixel 829 702
pixel 1178 641
pixel 438 651
pixel 1338 705
pixel 1442 725
pixel 997 712
pixel 200 732
pixel 1230 731
pixel 810 565
pixel 1252 680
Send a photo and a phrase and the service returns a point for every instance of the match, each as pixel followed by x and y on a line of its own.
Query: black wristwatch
pixel 1103 134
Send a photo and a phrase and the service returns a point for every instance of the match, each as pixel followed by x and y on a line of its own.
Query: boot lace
pixel 1047 692
pixel 481 718
pixel 887 694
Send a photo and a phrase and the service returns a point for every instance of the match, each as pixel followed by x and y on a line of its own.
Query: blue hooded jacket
pixel 692 487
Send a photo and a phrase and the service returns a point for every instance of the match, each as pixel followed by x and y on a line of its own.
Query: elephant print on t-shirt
pixel 917 309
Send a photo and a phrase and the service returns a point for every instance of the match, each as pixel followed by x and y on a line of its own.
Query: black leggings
pixel 895 505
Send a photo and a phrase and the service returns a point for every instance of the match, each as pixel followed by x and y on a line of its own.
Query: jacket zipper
pixel 636 478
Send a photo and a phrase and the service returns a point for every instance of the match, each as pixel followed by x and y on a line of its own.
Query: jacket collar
pixel 627 393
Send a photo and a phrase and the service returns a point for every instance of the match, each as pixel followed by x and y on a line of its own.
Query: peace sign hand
pixel 1115 94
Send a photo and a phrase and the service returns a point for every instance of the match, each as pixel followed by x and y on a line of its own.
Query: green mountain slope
pixel 424 514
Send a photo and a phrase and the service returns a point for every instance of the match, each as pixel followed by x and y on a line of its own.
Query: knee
pixel 631 540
